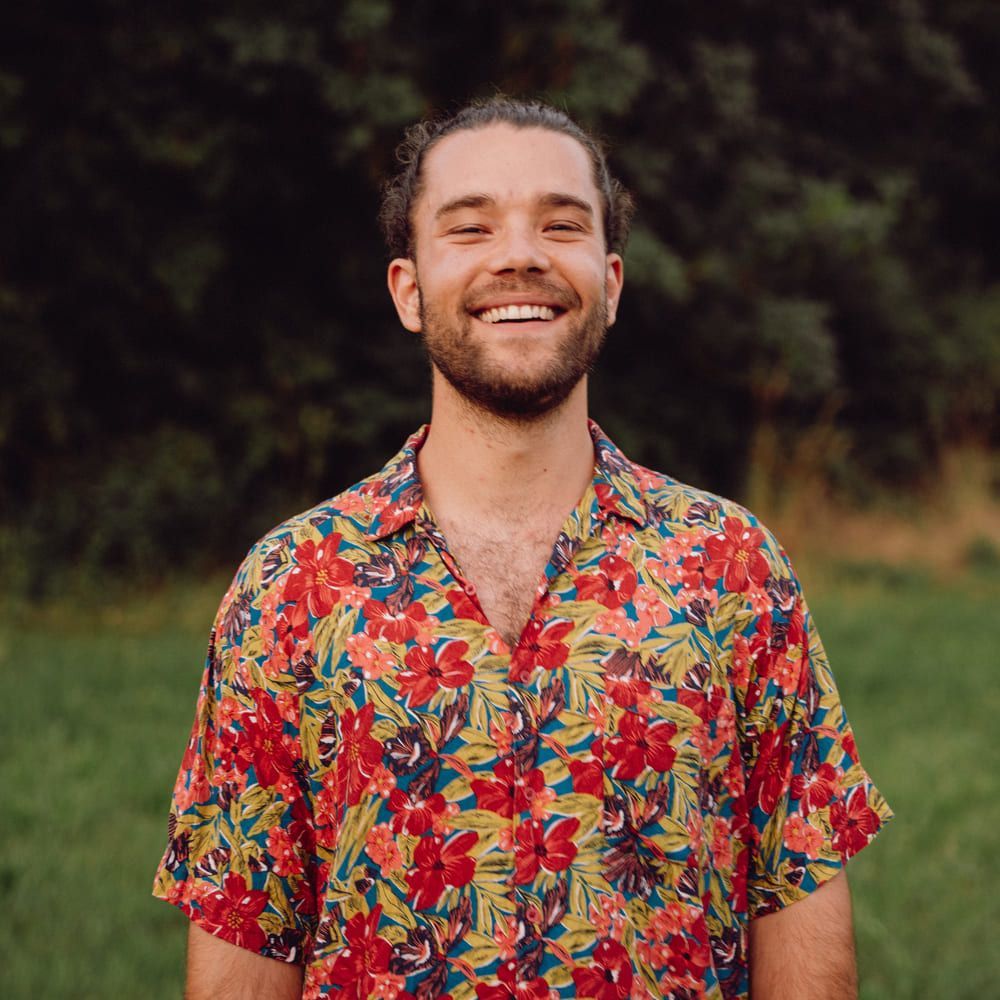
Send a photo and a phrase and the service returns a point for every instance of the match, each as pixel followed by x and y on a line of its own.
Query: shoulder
pixel 317 539
pixel 738 551
pixel 301 571
pixel 676 506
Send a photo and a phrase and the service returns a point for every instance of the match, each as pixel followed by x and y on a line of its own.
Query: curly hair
pixel 401 191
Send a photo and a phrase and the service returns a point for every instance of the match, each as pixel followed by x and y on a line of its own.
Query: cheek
pixel 590 273
pixel 450 279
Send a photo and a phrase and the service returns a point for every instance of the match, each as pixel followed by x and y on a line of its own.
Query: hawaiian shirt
pixel 377 787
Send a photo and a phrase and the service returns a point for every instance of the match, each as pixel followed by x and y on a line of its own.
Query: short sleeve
pixel 810 802
pixel 240 855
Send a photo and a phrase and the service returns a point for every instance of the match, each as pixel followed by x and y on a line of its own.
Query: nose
pixel 519 249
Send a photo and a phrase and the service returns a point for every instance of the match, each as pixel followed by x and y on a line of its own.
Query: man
pixel 515 716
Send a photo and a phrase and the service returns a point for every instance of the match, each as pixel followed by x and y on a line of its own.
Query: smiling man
pixel 515 716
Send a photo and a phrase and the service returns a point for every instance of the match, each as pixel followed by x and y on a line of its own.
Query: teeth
pixel 504 314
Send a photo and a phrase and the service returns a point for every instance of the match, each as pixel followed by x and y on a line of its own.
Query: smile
pixel 517 314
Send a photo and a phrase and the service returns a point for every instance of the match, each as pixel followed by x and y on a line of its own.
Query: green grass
pixel 97 709
pixel 96 720
pixel 918 664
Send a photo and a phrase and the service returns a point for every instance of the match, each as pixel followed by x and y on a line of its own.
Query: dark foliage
pixel 195 333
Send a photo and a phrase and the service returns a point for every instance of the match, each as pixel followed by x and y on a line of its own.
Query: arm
pixel 806 950
pixel 218 970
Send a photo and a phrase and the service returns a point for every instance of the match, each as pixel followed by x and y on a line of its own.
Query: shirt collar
pixel 616 481
pixel 398 497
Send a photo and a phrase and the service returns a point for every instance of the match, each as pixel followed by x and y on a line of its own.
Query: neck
pixel 474 464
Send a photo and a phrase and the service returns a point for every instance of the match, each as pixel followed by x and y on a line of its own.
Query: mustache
pixel 547 290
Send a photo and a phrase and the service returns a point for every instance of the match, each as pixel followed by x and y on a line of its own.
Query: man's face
pixel 512 287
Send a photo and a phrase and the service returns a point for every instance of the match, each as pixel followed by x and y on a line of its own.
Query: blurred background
pixel 196 342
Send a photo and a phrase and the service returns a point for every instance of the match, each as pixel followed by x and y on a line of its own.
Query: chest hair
pixel 505 563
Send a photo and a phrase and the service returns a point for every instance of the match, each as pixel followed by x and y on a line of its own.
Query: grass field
pixel 99 704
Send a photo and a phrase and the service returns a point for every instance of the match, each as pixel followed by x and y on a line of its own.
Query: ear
pixel 405 292
pixel 613 280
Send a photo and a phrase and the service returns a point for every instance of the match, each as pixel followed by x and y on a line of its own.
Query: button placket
pixel 524 750
pixel 524 737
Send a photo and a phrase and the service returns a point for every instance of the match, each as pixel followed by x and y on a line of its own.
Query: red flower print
pixel 328 816
pixel 638 743
pixel 688 958
pixel 722 842
pixel 531 989
pixel 382 848
pixel 396 515
pixel 816 790
pixel 588 775
pixel 414 816
pixel 509 793
pixel 740 880
pixel 284 850
pixel 262 741
pixel 789 672
pixel 318 575
pixel 801 837
pixel 440 865
pixel 617 622
pixel 541 646
pixel 608 498
pixel 767 780
pixel 624 682
pixel 796 625
pixel 650 606
pixel 291 627
pixel 610 977
pixel 192 782
pixel 854 823
pixel 464 606
pixel 365 957
pixel 359 752
pixel 693 575
pixel 741 661
pixel 608 916
pixel 735 557
pixel 625 692
pixel 762 653
pixel 613 586
pixel 551 848
pixel 706 705
pixel 430 670
pixel 364 652
pixel 231 913
pixel 396 626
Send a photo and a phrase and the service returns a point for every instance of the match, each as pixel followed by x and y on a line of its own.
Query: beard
pixel 486 384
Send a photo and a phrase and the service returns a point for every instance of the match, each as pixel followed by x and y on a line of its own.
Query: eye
pixel 564 227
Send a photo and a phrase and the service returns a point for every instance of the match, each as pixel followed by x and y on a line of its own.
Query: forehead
pixel 509 164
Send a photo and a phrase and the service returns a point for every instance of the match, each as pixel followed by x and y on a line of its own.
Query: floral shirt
pixel 378 787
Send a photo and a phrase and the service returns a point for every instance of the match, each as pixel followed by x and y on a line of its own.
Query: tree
pixel 191 304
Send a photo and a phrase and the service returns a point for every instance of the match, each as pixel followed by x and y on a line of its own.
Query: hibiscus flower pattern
pixel 377 787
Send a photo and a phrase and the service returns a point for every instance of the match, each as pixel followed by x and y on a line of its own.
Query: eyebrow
pixel 465 201
pixel 558 199
pixel 554 199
